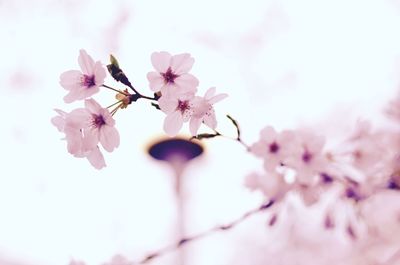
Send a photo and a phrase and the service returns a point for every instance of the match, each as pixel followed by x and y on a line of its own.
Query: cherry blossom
pixel 85 83
pixel 171 75
pixel 178 109
pixel 204 110
pixel 85 128
pixel 97 124
pixel 272 185
pixel 307 158
pixel 76 141
pixel 274 147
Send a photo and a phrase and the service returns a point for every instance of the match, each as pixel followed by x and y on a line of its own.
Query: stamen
pixel 183 106
pixel 274 147
pixel 306 157
pixel 98 121
pixel 169 76
pixel 88 81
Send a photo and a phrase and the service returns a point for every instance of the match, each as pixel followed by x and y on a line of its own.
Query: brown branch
pixel 186 240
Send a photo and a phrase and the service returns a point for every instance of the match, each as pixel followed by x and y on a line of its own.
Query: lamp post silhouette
pixel 177 152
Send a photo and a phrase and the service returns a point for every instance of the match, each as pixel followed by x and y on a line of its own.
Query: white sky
pixel 283 63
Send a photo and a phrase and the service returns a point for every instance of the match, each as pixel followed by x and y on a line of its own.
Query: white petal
pixel 210 93
pixel 109 138
pixel 210 120
pixel 194 126
pixel 156 81
pixel 85 62
pixel 93 106
pixel 217 98
pixel 173 123
pixel 181 63
pixel 161 61
pixel 96 158
pixel 168 104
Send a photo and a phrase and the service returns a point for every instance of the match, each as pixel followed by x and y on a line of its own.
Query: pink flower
pixel 97 125
pixel 307 159
pixel 272 185
pixel 178 109
pixel 76 141
pixel 171 74
pixel 204 110
pixel 83 84
pixel 273 147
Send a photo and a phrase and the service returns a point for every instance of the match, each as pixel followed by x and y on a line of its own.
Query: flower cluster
pixel 174 91
pixel 85 128
pixel 178 93
pixel 295 162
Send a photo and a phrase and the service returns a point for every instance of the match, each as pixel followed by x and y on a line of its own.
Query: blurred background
pixel 289 63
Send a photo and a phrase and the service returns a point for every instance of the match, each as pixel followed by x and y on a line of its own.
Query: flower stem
pixel 116 90
pixel 219 228
pixel 119 101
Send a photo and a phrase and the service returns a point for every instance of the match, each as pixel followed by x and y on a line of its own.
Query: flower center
pixel 88 81
pixel 306 157
pixel 273 148
pixel 169 76
pixel 98 121
pixel 183 106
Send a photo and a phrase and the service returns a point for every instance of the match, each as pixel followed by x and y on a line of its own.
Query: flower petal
pixel 88 92
pixel 85 62
pixel 173 123
pixel 194 125
pixel 156 81
pixel 217 98
pixel 210 93
pixel 161 61
pixel 186 83
pixel 168 104
pixel 99 73
pixel 59 122
pixel 181 63
pixel 108 119
pixel 74 140
pixel 73 95
pixel 96 158
pixel 268 134
pixel 210 120
pixel 78 118
pixel 109 137
pixel 70 80
pixel 93 106
pixel 90 140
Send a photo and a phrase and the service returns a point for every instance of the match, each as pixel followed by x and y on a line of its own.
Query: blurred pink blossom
pixel 273 147
pixel 308 159
pixel 85 83
pixel 272 185
pixel 171 74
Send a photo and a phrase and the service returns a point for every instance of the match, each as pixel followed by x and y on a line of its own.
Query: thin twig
pixel 183 241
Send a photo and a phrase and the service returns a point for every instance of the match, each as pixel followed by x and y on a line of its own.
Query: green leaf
pixel 114 61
